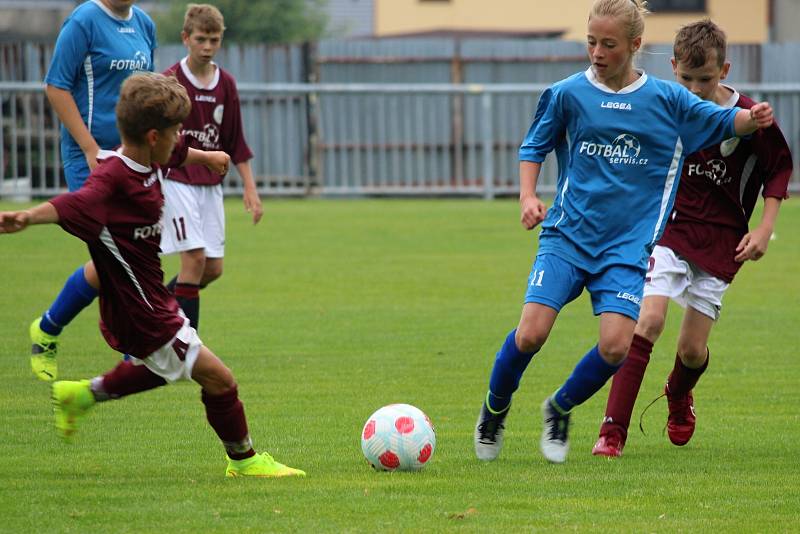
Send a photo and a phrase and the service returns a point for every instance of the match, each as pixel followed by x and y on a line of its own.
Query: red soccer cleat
pixel 609 445
pixel 681 421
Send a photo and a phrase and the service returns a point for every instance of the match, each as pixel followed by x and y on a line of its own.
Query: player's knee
pixel 221 381
pixel 613 351
pixel 693 355
pixel 212 272
pixel 90 273
pixel 650 325
pixel 529 340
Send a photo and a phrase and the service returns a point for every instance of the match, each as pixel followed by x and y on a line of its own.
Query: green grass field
pixel 330 309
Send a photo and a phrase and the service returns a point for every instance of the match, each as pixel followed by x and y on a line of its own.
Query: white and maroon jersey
pixel 215 122
pixel 117 214
pixel 718 191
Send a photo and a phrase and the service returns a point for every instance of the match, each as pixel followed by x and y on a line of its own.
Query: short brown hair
pixel 150 101
pixel 695 41
pixel 203 18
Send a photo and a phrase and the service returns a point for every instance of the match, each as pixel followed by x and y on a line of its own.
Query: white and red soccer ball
pixel 398 437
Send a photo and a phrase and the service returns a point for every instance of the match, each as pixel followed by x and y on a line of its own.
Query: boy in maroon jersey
pixel 117 214
pixel 194 216
pixel 705 242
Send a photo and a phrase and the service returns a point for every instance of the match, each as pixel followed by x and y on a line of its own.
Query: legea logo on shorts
pixel 627 296
pixel 623 150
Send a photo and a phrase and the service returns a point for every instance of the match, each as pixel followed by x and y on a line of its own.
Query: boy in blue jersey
pixel 100 44
pixel 620 138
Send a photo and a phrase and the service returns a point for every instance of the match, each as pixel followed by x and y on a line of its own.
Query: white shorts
pixel 671 276
pixel 194 217
pixel 174 361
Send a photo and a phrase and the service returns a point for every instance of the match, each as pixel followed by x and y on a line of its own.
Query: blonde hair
pixel 694 43
pixel 203 18
pixel 630 12
pixel 150 101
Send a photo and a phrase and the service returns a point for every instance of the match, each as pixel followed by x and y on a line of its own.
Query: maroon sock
pixel 682 379
pixel 225 414
pixel 188 297
pixel 625 387
pixel 126 379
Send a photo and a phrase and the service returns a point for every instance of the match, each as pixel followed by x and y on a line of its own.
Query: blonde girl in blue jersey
pixel 100 44
pixel 620 138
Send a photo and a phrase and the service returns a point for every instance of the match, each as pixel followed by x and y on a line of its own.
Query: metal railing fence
pixel 351 139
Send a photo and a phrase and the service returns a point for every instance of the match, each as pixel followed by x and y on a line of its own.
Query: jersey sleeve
pixel 234 142
pixel 179 153
pixel 153 40
pixel 546 129
pixel 775 161
pixel 83 213
pixel 702 123
pixel 70 51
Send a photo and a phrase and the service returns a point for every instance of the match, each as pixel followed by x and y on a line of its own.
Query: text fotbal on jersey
pixel 623 150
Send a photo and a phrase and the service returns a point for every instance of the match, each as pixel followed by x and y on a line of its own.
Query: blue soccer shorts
pixel 554 282
pixel 76 171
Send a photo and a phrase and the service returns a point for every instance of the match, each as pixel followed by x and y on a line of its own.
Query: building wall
pixel 786 21
pixel 350 18
pixel 394 17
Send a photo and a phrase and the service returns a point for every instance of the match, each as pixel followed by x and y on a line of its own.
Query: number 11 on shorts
pixel 180 228
pixel 536 278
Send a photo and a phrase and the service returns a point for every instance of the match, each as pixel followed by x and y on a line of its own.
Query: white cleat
pixel 555 433
pixel 489 434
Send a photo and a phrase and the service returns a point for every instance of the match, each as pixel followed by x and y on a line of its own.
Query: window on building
pixel 661 6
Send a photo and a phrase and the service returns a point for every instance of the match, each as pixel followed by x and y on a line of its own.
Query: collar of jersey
pixel 193 79
pixel 734 98
pixel 627 89
pixel 132 165
pixel 111 13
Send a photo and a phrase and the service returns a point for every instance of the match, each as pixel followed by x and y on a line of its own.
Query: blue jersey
pixel 95 51
pixel 619 156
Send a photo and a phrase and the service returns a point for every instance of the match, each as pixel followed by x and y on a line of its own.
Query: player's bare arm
pixel 754 244
pixel 64 105
pixel 215 160
pixel 748 121
pixel 252 202
pixel 532 208
pixel 16 221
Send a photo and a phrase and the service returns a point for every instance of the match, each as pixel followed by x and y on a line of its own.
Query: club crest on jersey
pixel 616 105
pixel 623 150
pixel 218 114
pixel 713 169
pixel 727 147
pixel 208 136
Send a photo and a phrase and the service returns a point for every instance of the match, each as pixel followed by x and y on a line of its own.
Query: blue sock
pixel 75 296
pixel 591 373
pixel 506 374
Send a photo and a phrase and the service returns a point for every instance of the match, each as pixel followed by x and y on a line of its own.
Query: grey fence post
pixel 487 136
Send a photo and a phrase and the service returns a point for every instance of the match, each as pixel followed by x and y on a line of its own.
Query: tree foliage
pixel 252 21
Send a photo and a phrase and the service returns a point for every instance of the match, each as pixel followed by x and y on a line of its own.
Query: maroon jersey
pixel 215 123
pixel 718 191
pixel 117 214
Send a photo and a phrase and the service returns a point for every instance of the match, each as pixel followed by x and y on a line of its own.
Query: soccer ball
pixel 398 437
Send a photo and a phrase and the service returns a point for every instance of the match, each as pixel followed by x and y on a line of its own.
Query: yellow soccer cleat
pixel 71 401
pixel 260 465
pixel 43 353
